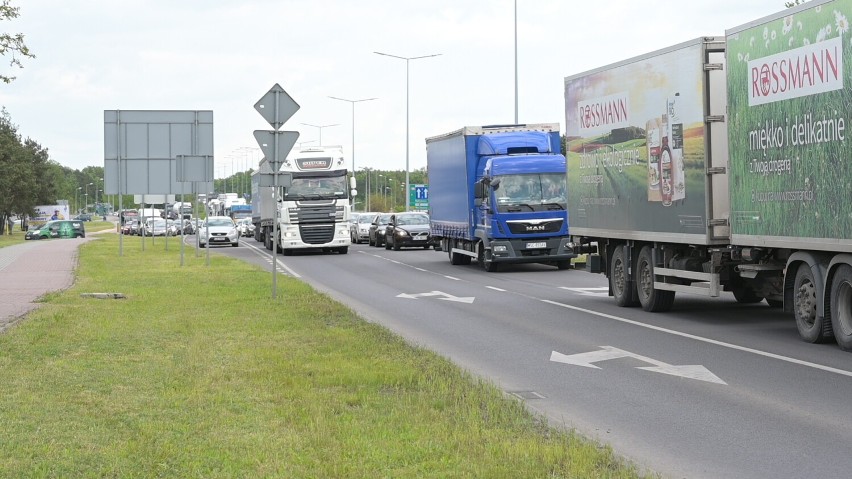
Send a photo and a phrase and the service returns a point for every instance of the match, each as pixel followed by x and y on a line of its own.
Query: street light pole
pixel 516 62
pixel 353 102
pixel 77 199
pixel 407 59
pixel 320 130
pixel 87 196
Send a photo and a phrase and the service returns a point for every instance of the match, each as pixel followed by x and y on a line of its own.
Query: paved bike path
pixel 32 269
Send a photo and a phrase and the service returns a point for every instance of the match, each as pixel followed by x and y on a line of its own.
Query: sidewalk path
pixel 32 269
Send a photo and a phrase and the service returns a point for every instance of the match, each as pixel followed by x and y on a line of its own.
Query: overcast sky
pixel 223 55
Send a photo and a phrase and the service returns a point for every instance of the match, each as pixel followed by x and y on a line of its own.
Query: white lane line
pixel 267 255
pixel 603 291
pixel 421 269
pixel 495 288
pixel 758 352
pixel 452 278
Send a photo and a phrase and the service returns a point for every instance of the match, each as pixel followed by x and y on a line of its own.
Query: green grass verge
pixel 199 373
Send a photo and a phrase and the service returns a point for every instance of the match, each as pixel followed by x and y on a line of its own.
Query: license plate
pixel 419 238
pixel 542 244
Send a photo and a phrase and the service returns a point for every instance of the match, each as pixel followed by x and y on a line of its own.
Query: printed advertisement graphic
pixel 636 145
pixel 789 104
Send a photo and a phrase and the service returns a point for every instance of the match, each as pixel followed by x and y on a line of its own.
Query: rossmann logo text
pixel 816 68
pixel 602 114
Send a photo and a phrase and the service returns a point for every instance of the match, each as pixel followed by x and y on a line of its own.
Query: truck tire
pixel 456 259
pixel 387 244
pixel 396 246
pixel 841 307
pixel 619 279
pixel 652 300
pixel 343 250
pixel 267 241
pixel 812 328
pixel 486 264
pixel 563 265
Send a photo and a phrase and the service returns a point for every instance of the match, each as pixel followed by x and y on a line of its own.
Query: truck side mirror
pixel 478 190
pixel 353 192
pixel 352 184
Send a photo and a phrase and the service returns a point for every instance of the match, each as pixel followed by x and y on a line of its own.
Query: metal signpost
pixel 141 148
pixel 276 107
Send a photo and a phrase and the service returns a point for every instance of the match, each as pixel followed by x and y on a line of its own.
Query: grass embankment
pixel 199 373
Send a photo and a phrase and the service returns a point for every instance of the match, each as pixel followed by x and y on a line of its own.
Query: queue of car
pixel 392 230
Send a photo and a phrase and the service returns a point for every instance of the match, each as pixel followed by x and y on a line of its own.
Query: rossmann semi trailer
pixel 722 164
pixel 313 212
pixel 497 195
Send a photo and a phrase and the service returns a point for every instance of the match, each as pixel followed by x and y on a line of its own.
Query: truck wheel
pixel 489 266
pixel 812 328
pixel 841 307
pixel 387 244
pixel 456 259
pixel 343 250
pixel 618 279
pixel 396 246
pixel 563 265
pixel 267 242
pixel 652 300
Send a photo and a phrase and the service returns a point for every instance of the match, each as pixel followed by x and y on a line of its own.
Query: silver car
pixel 221 230
pixel 359 229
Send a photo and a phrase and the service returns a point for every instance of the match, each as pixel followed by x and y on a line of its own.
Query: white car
pixel 222 230
pixel 246 227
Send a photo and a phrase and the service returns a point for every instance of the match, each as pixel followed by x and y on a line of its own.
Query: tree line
pixel 29 178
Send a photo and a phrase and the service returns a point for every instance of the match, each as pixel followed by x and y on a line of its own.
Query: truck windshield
pixel 322 188
pixel 531 192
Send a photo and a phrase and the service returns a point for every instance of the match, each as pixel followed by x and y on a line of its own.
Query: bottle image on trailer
pixel 664 138
pixel 653 140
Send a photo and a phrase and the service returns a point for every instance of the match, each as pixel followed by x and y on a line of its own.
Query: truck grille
pixel 534 227
pixel 316 214
pixel 316 234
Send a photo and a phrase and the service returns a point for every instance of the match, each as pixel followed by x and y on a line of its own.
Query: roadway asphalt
pixel 32 269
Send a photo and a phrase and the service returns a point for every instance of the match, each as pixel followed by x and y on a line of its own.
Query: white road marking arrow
pixel 586 360
pixel 444 296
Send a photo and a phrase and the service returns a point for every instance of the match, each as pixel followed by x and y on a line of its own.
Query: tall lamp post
pixel 87 196
pixel 77 199
pixel 320 129
pixel 407 59
pixel 97 188
pixel 353 102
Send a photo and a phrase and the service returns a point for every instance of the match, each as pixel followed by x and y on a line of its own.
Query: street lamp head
pixel 351 101
pixel 408 58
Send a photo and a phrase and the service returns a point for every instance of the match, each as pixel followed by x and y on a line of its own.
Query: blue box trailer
pixel 497 194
